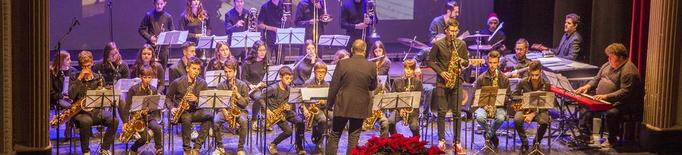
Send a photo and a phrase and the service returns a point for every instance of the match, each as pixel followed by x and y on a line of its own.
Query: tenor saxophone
pixel 232 113
pixel 76 107
pixel 368 124
pixel 184 104
pixel 135 125
pixel 276 115
pixel 454 66
pixel 312 112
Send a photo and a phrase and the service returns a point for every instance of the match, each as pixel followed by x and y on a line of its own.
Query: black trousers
pixel 614 117
pixel 445 100
pixel 338 125
pixel 156 129
pixel 85 121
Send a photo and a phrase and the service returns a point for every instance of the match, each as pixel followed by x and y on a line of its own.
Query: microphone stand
pixel 58 48
pixel 111 21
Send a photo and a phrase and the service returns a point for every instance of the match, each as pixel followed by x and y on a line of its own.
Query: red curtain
pixel 639 33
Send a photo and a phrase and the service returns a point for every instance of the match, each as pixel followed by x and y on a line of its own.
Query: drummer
pixel 493 23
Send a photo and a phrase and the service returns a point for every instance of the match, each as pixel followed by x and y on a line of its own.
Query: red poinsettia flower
pixel 434 150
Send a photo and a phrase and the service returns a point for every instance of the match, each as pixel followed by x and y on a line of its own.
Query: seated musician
pixel 275 98
pixel 178 69
pixel 112 66
pixel 493 77
pixel 305 66
pixel 618 82
pixel 79 84
pixel 145 59
pixel 377 116
pixel 519 59
pixel 533 82
pixel 221 55
pixel 320 120
pixel 177 94
pixel 239 100
pixel 383 64
pixel 60 69
pixel 569 46
pixel 151 119
pixel 406 84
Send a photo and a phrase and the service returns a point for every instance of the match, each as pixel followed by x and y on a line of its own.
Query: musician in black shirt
pixel 144 61
pixel 152 118
pixel 60 69
pixel 533 82
pixel 270 19
pixel 112 66
pixel 353 19
pixel 304 17
pixel 407 83
pixel 236 19
pixel 195 20
pixel 154 22
pixel 320 122
pixel 304 69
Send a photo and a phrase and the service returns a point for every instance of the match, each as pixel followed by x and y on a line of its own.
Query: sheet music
pixel 294 36
pixel 101 98
pixel 295 95
pixel 333 40
pixel 172 37
pixel 273 71
pixel 396 100
pixel 244 39
pixel 221 98
pixel 156 101
pixel 499 97
pixel 123 85
pixel 215 77
pixel 538 99
pixel 308 94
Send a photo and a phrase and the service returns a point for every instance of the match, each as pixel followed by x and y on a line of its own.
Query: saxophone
pixel 369 121
pixel 232 113
pixel 184 104
pixel 454 67
pixel 277 114
pixel 135 125
pixel 76 107
pixel 312 112
pixel 404 113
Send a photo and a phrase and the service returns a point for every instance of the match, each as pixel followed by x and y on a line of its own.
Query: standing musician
pixel 220 58
pixel 60 69
pixel 304 17
pixel 349 96
pixel 277 96
pixel 238 103
pixel 145 61
pixel 79 83
pixel 254 71
pixel 180 69
pixel 409 116
pixel 493 77
pixel 195 20
pixel 438 24
pixel 383 64
pixel 533 82
pixel 569 47
pixel 112 66
pixel 270 19
pixel 618 81
pixel 304 69
pixel 151 119
pixel 354 19
pixel 319 120
pixel 236 19
pixel 154 22
pixel 178 95
pixel 446 58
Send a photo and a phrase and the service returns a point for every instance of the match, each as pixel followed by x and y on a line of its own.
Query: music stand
pixel 396 100
pixel 312 94
pixel 289 36
pixel 330 73
pixel 214 99
pixel 215 77
pixel 124 85
pixel 209 42
pixel 244 40
pixel 538 100
pixel 489 95
pixel 334 40
pixel 295 95
pixel 150 102
pixel 272 73
pixel 170 38
pixel 101 98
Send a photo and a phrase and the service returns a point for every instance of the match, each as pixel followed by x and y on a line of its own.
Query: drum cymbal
pixel 412 43
pixel 481 47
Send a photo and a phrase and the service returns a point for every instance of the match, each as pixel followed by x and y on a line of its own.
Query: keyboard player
pixel 618 82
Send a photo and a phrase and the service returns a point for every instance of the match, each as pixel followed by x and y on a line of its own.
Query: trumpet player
pixel 275 97
pixel 447 57
pixel 406 84
pixel 185 91
pixel 318 121
pixel 152 118
pixel 240 99
pixel 492 77
pixel 531 83
pixel 79 83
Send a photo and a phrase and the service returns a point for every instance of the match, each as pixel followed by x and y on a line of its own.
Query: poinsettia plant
pixel 394 145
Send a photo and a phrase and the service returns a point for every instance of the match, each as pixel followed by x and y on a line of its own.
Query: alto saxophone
pixel 404 113
pixel 232 113
pixel 135 125
pixel 454 66
pixel 76 107
pixel 312 112
pixel 276 115
pixel 368 124
pixel 184 104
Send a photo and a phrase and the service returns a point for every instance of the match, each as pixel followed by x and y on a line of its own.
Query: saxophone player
pixel 446 57
pixel 492 77
pixel 151 121
pixel 406 84
pixel 79 83
pixel 178 93
pixel 240 92
pixel 274 97
pixel 319 121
